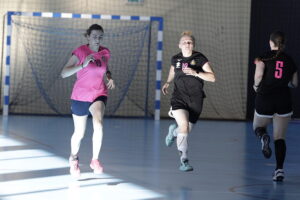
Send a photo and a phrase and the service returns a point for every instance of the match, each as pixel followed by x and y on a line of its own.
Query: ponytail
pixel 278 38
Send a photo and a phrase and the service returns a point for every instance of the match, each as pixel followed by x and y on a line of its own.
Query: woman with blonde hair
pixel 189 69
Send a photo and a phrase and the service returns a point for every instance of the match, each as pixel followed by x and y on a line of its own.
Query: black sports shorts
pixel 192 104
pixel 266 105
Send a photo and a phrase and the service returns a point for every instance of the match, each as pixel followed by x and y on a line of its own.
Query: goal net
pixel 41 46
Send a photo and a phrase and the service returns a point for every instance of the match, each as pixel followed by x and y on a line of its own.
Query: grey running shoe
pixel 185 166
pixel 170 138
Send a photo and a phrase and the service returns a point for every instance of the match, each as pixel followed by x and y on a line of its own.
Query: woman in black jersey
pixel 189 70
pixel 275 72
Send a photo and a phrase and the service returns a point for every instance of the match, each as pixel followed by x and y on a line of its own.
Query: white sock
pixel 182 145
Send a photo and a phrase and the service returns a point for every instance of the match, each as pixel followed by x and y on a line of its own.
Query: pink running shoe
pixel 74 167
pixel 96 166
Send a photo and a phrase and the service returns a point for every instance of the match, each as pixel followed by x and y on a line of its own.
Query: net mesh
pixel 221 29
pixel 41 47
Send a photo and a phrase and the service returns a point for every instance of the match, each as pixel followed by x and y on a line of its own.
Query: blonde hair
pixel 189 34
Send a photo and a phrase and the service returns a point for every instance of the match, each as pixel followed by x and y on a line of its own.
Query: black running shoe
pixel 266 150
pixel 278 175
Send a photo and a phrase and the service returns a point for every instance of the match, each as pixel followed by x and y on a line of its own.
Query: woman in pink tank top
pixel 89 94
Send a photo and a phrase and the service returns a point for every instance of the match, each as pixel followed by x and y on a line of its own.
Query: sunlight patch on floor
pixel 89 186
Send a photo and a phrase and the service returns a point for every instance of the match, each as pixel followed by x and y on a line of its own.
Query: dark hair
pixel 93 27
pixel 278 38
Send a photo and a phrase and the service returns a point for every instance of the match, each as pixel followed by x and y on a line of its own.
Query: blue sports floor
pixel 227 161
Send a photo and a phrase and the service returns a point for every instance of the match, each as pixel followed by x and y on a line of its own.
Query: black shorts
pixel 192 104
pixel 81 108
pixel 266 105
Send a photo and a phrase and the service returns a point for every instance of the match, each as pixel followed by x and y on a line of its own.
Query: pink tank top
pixel 90 80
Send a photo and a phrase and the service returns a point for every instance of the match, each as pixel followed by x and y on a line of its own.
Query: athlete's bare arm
pixel 169 80
pixel 207 75
pixel 71 68
pixel 259 72
pixel 294 80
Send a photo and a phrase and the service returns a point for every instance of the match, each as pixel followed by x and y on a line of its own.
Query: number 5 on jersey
pixel 278 70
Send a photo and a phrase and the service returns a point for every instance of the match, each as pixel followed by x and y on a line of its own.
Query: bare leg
pixel 79 130
pixel 261 122
pixel 97 110
pixel 280 125
pixel 191 125
pixel 182 119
